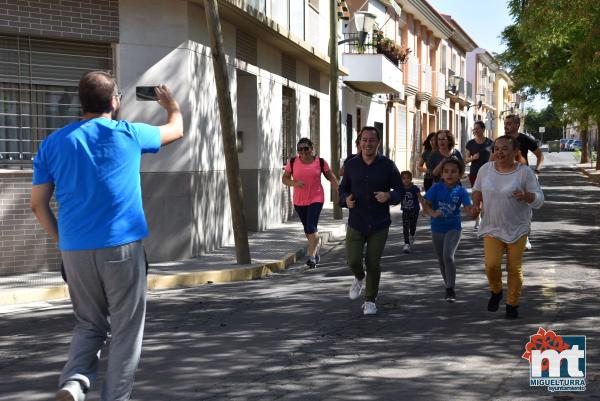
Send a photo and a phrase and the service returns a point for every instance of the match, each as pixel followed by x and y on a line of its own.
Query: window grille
pixel 38 90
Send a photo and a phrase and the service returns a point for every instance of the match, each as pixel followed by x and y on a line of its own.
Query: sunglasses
pixel 303 148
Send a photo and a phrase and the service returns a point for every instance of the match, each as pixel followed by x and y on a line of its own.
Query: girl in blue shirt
pixel 442 202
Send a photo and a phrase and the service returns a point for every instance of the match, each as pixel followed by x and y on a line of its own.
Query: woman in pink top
pixel 304 174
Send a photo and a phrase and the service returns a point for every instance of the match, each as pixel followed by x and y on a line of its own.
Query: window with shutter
pixel 246 47
pixel 38 90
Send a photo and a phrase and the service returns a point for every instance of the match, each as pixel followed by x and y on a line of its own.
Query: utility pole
pixel 232 165
pixel 334 104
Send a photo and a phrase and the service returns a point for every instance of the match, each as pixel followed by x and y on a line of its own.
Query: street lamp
pixel 363 22
pixel 455 82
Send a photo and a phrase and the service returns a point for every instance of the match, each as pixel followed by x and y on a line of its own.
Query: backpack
pixel 321 162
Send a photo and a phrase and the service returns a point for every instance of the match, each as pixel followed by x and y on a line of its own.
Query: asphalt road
pixel 297 336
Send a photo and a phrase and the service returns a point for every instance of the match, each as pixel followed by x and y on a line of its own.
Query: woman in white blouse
pixel 508 191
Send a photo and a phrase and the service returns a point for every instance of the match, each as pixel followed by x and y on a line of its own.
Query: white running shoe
pixel 369 308
pixel 356 288
pixel 528 244
pixel 70 391
pixel 476 226
pixel 406 248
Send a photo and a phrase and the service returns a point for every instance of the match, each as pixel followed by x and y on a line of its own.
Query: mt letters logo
pixel 556 362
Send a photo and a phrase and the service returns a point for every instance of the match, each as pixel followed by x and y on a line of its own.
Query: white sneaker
pixel 412 239
pixel 356 288
pixel 70 391
pixel 476 226
pixel 406 248
pixel 528 244
pixel 369 308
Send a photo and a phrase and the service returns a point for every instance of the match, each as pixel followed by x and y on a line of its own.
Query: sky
pixel 483 21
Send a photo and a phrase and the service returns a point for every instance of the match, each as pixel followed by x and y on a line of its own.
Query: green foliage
pixel 553 49
pixel 547 118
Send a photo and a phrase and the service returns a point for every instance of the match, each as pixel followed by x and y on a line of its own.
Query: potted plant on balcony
pixel 384 45
pixel 402 53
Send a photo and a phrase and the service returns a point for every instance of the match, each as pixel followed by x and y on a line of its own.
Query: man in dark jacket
pixel 370 185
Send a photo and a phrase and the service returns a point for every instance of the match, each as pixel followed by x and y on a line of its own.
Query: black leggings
pixel 409 224
pixel 427 183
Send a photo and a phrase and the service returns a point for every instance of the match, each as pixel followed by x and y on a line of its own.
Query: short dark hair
pixel 514 142
pixel 96 89
pixel 370 128
pixel 406 173
pixel 514 117
pixel 451 141
pixel 457 162
pixel 481 124
pixel 306 141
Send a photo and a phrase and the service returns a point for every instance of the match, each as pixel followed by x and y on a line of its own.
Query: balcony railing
pixel 376 44
pixel 370 69
pixel 461 89
pixel 411 77
pixel 426 84
pixel 439 93
pixel 440 85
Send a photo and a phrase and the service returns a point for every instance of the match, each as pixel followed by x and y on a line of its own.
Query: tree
pixel 547 118
pixel 553 49
pixel 232 166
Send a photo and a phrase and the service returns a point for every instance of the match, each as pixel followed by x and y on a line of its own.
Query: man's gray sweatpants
pixel 106 282
pixel 445 245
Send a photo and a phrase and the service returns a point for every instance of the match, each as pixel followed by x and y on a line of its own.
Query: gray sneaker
pixel 356 288
pixel 71 391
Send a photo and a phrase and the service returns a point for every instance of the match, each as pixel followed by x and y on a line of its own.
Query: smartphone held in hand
pixel 145 93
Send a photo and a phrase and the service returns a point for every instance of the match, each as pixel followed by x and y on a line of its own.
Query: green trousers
pixel 355 249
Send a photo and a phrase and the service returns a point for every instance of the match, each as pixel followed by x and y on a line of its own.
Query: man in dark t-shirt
pixel 526 144
pixel 511 127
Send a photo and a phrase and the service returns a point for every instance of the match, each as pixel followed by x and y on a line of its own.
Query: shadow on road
pixel 296 336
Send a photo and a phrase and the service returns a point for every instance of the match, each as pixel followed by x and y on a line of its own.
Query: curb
pixel 592 177
pixel 180 280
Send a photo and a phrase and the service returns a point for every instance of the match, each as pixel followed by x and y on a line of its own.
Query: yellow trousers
pixel 493 250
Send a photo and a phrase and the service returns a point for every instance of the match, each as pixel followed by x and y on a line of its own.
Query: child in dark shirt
pixel 410 209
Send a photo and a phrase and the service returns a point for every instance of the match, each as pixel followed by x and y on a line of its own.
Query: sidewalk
pixel 589 169
pixel 271 251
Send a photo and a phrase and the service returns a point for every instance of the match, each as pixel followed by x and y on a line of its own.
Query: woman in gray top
pixel 478 152
pixel 509 191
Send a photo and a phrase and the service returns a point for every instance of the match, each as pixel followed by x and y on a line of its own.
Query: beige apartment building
pixel 418 71
pixel 507 101
pixel 481 72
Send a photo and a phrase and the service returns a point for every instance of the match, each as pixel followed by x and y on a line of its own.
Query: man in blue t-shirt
pixel 93 168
